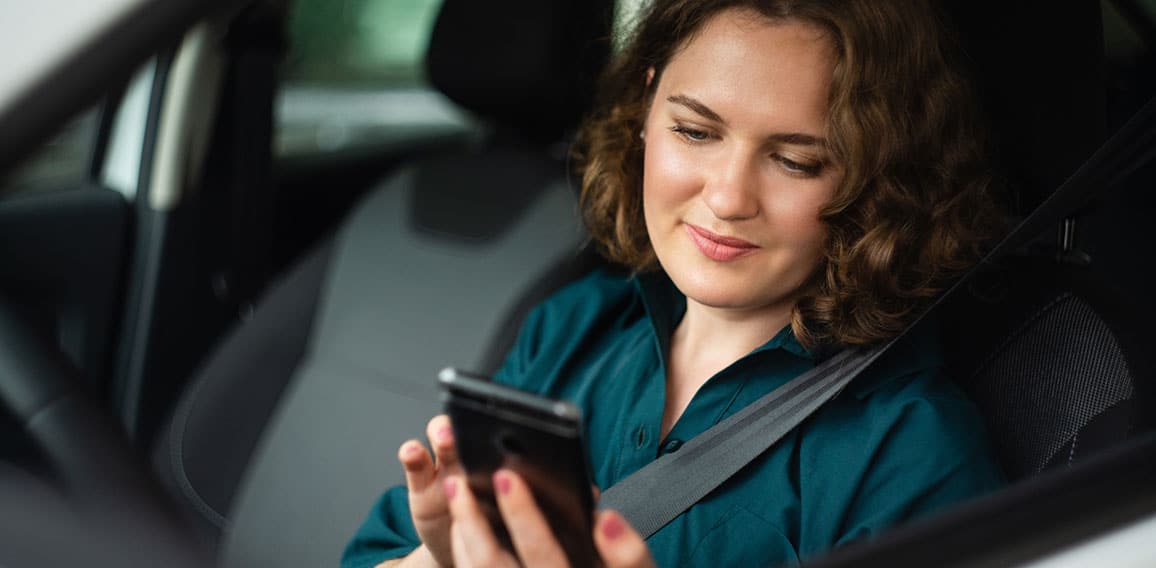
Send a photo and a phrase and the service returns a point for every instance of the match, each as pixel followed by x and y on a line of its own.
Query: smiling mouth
pixel 717 247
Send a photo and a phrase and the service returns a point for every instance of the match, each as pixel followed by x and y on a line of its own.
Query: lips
pixel 717 247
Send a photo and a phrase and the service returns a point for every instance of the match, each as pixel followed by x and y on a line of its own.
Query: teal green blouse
pixel 901 441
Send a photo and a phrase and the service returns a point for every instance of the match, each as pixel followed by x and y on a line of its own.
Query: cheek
pixel 669 172
pixel 795 215
pixel 798 212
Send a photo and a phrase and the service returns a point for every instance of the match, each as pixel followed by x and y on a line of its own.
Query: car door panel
pixel 62 259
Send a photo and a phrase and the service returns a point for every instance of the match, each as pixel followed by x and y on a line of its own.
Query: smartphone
pixel 496 426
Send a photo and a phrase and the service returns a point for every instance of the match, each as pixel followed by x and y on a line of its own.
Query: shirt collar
pixel 918 351
pixel 666 306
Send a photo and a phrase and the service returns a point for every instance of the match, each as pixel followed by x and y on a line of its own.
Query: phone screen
pixel 540 439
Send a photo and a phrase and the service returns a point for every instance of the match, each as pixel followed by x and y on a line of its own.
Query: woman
pixel 785 179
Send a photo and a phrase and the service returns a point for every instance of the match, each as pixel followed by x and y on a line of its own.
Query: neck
pixel 710 339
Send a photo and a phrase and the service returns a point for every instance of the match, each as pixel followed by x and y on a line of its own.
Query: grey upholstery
pixel 1052 362
pixel 1079 376
pixel 401 302
pixel 216 425
pixel 310 399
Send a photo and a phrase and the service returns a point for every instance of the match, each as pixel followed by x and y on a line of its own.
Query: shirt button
pixel 671 446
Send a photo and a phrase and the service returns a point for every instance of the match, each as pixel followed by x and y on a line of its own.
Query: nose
pixel 731 192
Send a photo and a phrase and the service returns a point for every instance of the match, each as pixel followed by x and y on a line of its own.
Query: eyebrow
pixel 798 139
pixel 696 106
pixel 793 138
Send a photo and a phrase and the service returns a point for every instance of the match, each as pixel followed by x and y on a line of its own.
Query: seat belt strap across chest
pixel 650 498
pixel 660 491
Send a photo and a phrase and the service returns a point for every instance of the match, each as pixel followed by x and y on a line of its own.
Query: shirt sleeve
pixel 937 456
pixel 387 532
pixel 904 455
pixel 523 352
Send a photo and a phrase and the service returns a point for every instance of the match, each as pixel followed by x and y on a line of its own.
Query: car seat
pixel 288 433
pixel 1049 341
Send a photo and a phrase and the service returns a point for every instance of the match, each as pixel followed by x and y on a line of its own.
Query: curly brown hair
pixel 915 206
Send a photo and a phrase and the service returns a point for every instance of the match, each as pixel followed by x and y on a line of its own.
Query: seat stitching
pixel 176 438
pixel 1072 453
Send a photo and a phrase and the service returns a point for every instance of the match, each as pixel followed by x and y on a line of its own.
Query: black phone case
pixel 540 439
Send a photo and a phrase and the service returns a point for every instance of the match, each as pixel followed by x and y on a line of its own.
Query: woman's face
pixel 736 169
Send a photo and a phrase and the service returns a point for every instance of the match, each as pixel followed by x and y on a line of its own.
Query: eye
pixel 810 169
pixel 690 134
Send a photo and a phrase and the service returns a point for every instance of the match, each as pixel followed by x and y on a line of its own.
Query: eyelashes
pixel 798 168
pixel 793 167
pixel 692 135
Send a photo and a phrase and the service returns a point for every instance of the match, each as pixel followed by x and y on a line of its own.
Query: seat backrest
pixel 1039 344
pixel 433 268
pixel 1051 361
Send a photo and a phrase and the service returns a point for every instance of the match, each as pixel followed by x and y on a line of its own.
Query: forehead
pixel 737 21
pixel 740 58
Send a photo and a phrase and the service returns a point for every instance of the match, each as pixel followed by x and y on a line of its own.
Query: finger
pixel 597 493
pixel 618 542
pixel 418 465
pixel 474 543
pixel 426 502
pixel 533 539
pixel 441 438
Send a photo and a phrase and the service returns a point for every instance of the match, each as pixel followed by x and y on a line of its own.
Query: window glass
pixel 121 168
pixel 354 77
pixel 359 42
pixel 62 163
pixel 626 14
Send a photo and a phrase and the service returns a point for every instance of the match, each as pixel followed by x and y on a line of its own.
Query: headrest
pixel 529 64
pixel 1039 68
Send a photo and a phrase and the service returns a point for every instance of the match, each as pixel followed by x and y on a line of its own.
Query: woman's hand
pixel 474 544
pixel 425 477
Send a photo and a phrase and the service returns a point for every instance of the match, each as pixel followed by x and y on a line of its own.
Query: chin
pixel 716 289
pixel 735 286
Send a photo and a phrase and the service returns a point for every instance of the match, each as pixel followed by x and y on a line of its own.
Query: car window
pixel 353 77
pixel 625 15
pixel 120 170
pixel 64 162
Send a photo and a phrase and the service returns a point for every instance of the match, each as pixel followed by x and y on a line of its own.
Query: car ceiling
pixel 58 56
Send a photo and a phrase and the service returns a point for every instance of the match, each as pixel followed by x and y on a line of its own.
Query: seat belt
pixel 660 491
pixel 654 495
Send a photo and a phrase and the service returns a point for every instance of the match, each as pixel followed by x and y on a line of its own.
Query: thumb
pixel 618 542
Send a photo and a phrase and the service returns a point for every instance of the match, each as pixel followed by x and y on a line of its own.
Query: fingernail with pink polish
pixel 450 487
pixel 445 433
pixel 612 527
pixel 502 483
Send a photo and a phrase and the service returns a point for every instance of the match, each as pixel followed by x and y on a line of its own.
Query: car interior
pixel 230 339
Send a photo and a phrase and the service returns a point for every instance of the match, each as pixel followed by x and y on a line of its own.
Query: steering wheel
pixel 90 463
